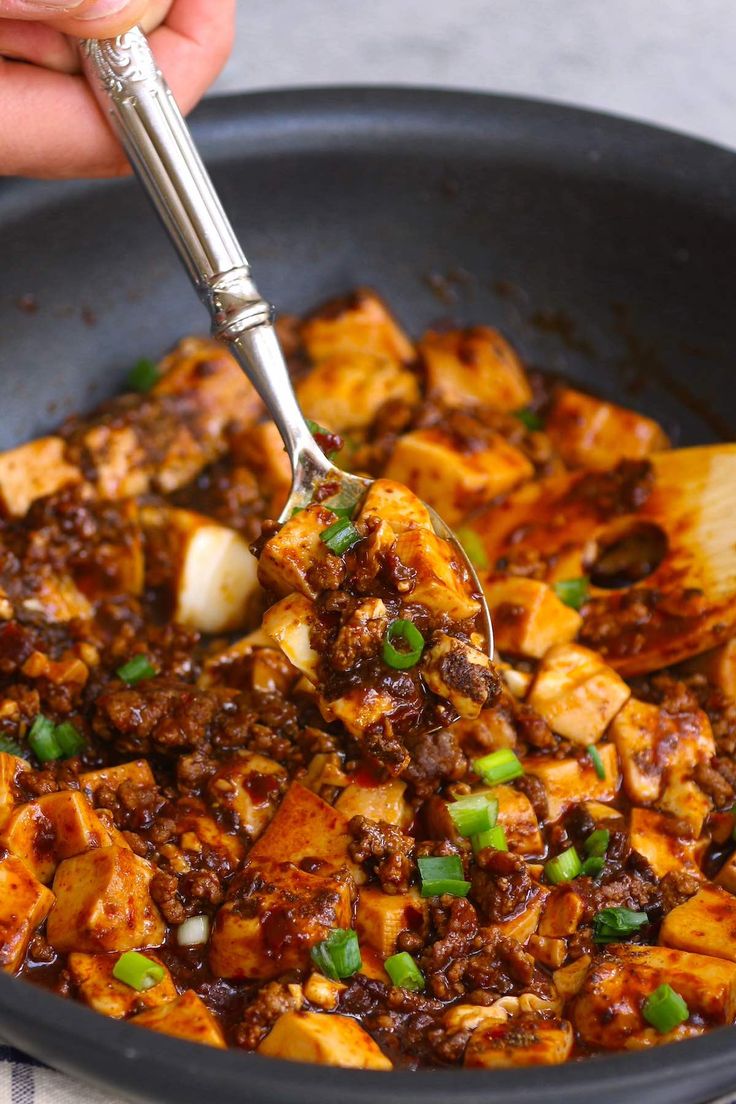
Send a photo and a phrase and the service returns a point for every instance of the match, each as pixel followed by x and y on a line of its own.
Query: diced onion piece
pixel 193 932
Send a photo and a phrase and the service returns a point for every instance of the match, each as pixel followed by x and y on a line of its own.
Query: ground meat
pixel 622 490
pixel 500 884
pixel 535 790
pixel 435 758
pixel 713 783
pixel 533 729
pixel 631 884
pixel 384 850
pixel 165 892
pixel 676 887
pixel 158 714
pixel 272 1001
pixel 359 636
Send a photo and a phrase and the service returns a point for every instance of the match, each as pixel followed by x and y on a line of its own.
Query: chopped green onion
pixel 473 546
pixel 573 592
pixel 404 972
pixel 529 418
pixel 595 756
pixel 42 740
pixel 143 376
pixel 137 971
pixel 340 536
pixel 665 1009
pixel 593 866
pixel 597 842
pixel 474 813
pixel 69 739
pixel 564 867
pixel 402 658
pixel 500 766
pixel 442 874
pixel 338 956
pixel 494 837
pixel 611 925
pixel 9 747
pixel 135 670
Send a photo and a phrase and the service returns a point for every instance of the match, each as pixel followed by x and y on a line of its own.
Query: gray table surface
pixel 666 61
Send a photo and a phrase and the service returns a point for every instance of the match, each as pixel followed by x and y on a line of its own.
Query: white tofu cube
pixel 475 367
pixel 460 674
pixel 569 781
pixel 591 433
pixel 577 693
pixel 395 504
pixel 323 1040
pixel 289 623
pixel 32 471
pixel 287 560
pixel 346 391
pixel 528 617
pixel 358 323
pixel 440 583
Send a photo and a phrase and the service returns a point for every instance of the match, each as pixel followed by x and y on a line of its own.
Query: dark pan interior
pixel 605 250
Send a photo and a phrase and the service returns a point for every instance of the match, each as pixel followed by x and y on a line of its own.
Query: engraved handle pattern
pixel 121 63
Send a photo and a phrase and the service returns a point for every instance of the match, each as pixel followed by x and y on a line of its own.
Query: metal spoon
pixel 134 95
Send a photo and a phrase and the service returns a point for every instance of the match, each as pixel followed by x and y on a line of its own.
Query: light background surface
pixel 667 61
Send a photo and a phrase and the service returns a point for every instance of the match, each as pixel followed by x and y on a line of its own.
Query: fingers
pixel 84 18
pixel 51 124
pixel 37 44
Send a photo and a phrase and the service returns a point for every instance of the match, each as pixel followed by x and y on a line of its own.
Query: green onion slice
pixel 597 842
pixel 137 971
pixel 442 874
pixel 143 376
pixel 9 747
pixel 500 766
pixel 338 956
pixel 593 866
pixel 665 1009
pixel 494 837
pixel 136 669
pixel 564 867
pixel 42 740
pixel 404 972
pixel 597 762
pixel 529 418
pixel 412 643
pixel 69 739
pixel 340 536
pixel 573 592
pixel 611 925
pixel 473 546
pixel 473 814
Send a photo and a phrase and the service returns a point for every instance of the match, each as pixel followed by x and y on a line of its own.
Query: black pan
pixel 604 249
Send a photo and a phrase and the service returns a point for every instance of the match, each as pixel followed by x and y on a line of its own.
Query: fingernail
pixel 55 6
pixel 103 9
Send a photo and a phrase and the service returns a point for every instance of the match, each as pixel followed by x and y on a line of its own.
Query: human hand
pixel 50 123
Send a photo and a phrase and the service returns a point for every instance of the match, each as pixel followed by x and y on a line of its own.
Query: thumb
pixel 85 18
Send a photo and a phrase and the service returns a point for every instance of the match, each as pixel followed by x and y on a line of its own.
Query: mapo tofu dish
pixel 260 785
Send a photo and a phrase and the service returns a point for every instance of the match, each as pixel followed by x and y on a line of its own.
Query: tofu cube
pixel 289 624
pixel 57 599
pixel 359 323
pixel 32 471
pixel 119 461
pixel 53 827
pixel 563 911
pixel 395 504
pixel 548 951
pixel 323 1040
pixel 454 479
pixel 359 710
pixel 93 977
pixel 607 1010
pixel 196 830
pixel 475 367
pixel 459 673
pixel 345 391
pixel 24 905
pixel 323 991
pixel 381 917
pixel 137 773
pixel 706 924
pixel 517 818
pixel 215 581
pixel 103 903
pixel 187 1017
pixel 686 801
pixel 304 827
pixel 288 559
pixel 511 1044
pixel 654 836
pixel 440 582
pixel 247 789
pixel 377 801
pixel 651 742
pixel 719 667
pixel 591 433
pixel 271 928
pixel 203 372
pixel 569 781
pixel 11 767
pixel 260 448
pixel 569 979
pixel 525 924
pixel 528 617
pixel 577 693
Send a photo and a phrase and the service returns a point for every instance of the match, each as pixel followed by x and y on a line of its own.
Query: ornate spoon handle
pixel 134 95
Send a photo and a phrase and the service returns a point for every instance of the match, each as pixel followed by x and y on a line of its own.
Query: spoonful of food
pixel 373 598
